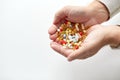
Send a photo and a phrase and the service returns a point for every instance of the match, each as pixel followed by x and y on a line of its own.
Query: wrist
pixel 104 7
pixel 114 37
pixel 99 9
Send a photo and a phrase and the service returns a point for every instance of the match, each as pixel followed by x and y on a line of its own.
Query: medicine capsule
pixel 63 42
pixel 81 33
pixel 76 47
pixel 71 35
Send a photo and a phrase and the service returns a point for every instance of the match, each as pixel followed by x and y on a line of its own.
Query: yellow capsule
pixel 71 29
pixel 84 31
pixel 76 26
pixel 83 27
pixel 79 43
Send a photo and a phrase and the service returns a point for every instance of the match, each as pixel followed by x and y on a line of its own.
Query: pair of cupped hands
pixel 97 35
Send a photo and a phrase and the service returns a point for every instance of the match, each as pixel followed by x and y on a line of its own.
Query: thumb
pixel 77 54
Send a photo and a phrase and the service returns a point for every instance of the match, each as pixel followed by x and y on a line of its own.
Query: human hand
pixel 92 14
pixel 98 36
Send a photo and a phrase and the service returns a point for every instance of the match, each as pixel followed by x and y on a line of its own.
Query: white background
pixel 25 53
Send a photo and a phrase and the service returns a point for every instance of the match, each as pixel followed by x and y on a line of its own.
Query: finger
pixel 85 51
pixel 59 48
pixel 53 37
pixel 61 14
pixel 86 55
pixel 52 29
pixel 78 54
pixel 91 22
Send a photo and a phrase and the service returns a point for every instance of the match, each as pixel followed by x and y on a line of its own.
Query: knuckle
pixel 57 15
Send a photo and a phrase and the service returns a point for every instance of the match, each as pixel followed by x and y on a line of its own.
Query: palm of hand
pixel 92 44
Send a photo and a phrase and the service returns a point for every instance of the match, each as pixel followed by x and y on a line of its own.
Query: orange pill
pixel 71 35
pixel 63 42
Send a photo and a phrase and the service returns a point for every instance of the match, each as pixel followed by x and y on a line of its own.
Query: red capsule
pixel 76 47
pixel 63 42
pixel 66 22
pixel 61 29
pixel 81 33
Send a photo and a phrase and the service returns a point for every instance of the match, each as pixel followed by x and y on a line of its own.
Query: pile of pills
pixel 71 35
